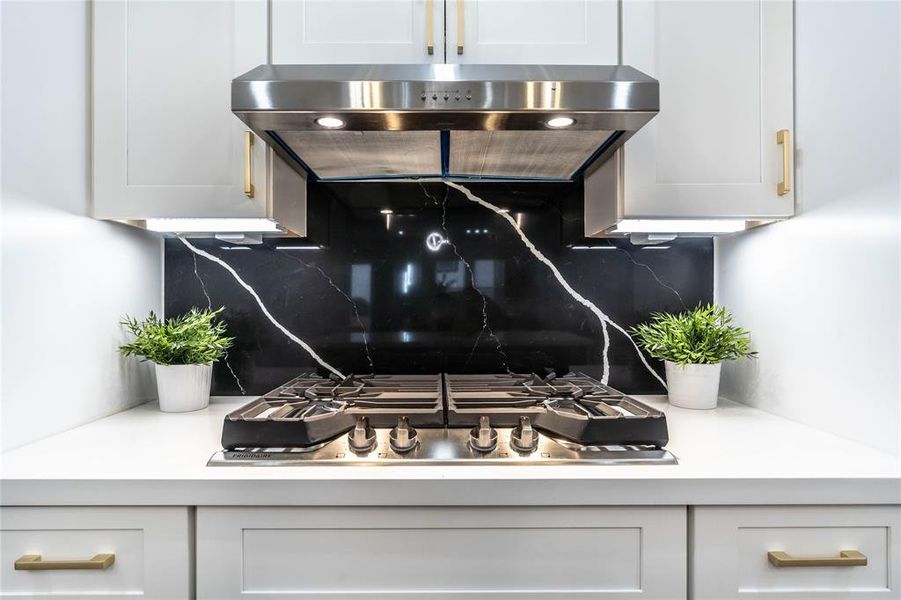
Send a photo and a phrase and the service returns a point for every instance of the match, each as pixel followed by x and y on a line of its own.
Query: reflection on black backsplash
pixel 388 293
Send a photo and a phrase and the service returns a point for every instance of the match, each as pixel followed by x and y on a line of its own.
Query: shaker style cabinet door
pixel 357 31
pixel 542 32
pixel 466 553
pixel 726 77
pixel 165 141
pixel 796 552
pixel 88 553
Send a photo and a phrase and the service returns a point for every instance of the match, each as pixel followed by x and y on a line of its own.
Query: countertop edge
pixel 452 492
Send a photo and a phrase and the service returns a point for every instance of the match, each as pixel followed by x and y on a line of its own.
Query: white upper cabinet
pixel 542 32
pixel 357 31
pixel 457 31
pixel 166 143
pixel 726 76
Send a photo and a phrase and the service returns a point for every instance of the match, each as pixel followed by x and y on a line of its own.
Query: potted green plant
pixel 183 350
pixel 693 345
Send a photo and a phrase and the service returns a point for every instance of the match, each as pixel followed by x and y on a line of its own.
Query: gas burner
pixel 500 418
pixel 310 409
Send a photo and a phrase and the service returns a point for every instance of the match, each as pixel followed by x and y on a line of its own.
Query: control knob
pixel 362 438
pixel 523 438
pixel 483 437
pixel 403 437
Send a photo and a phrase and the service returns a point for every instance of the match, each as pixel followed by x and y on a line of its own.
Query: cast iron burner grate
pixel 310 412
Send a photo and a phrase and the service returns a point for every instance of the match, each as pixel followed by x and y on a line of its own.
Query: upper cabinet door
pixel 725 72
pixel 166 143
pixel 541 32
pixel 357 31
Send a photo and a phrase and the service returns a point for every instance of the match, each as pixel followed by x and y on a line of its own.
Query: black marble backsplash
pixel 385 294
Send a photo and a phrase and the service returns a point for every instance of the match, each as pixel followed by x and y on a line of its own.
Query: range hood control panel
pixel 445 95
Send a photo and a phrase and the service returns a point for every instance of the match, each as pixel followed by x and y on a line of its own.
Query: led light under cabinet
pixel 680 226
pixel 204 225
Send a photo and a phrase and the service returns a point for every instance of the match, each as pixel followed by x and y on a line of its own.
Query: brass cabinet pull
pixel 33 562
pixel 460 26
pixel 248 164
pixel 430 26
pixel 845 558
pixel 784 137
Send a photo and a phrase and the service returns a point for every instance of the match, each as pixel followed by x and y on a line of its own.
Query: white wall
pixel 66 279
pixel 821 292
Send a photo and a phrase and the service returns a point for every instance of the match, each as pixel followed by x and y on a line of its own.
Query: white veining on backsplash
pixel 234 375
pixel 262 306
pixel 346 296
pixel 209 306
pixel 662 283
pixel 206 294
pixel 486 326
pixel 602 317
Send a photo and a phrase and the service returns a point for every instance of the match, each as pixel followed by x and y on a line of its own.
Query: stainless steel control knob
pixel 523 438
pixel 362 438
pixel 483 437
pixel 403 437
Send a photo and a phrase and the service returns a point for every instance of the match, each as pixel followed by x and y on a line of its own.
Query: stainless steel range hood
pixel 462 122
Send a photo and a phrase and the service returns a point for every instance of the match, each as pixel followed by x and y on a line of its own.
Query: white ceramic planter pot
pixel 693 386
pixel 183 388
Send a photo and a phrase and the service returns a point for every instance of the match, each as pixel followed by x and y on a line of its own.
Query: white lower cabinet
pixel 731 547
pixel 54 548
pixel 540 553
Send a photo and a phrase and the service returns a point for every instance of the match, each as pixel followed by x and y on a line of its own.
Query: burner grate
pixel 311 410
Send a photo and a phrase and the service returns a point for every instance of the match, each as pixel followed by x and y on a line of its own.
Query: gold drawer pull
pixel 845 558
pixel 33 562
pixel 784 139
pixel 248 165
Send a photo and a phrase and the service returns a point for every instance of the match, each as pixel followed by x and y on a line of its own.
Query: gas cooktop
pixel 421 419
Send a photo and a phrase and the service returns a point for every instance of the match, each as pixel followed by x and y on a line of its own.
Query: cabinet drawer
pixel 151 548
pixel 441 553
pixel 731 547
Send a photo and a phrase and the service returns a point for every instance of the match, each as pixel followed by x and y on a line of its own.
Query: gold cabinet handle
pixel 33 562
pixel 784 138
pixel 845 558
pixel 248 164
pixel 430 26
pixel 460 26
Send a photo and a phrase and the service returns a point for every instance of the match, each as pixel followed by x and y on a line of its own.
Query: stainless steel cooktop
pixel 443 419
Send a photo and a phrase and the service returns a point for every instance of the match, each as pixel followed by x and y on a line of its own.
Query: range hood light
pixel 330 122
pixel 680 226
pixel 560 122
pixel 204 225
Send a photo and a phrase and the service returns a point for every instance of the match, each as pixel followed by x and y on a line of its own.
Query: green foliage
pixel 190 339
pixel 704 335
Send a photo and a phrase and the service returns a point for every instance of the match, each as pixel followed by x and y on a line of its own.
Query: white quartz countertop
pixel 731 455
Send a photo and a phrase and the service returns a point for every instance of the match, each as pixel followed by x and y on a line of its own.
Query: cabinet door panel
pixel 378 553
pixel 730 560
pixel 151 548
pixel 355 31
pixel 725 72
pixel 165 141
pixel 533 32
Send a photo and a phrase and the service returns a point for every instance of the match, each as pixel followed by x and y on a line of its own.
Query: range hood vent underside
pixel 373 155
